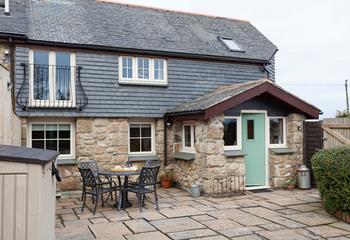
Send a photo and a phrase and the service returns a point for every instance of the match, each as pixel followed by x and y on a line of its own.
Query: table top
pixel 119 173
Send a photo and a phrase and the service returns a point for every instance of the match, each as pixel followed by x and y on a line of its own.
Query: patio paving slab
pixel 327 231
pixel 192 234
pixel 109 231
pixel 282 235
pixel 148 236
pixel 216 237
pixel 220 224
pixel 180 212
pixel 248 237
pixel 312 218
pixel 261 212
pixel 139 226
pixel 249 219
pixel 235 232
pixel 73 233
pixel 176 224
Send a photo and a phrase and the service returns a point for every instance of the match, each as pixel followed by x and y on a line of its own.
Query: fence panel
pixel 336 132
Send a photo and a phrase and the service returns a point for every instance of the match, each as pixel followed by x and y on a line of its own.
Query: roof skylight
pixel 231 44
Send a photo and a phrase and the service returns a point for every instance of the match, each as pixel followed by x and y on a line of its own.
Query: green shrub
pixel 331 168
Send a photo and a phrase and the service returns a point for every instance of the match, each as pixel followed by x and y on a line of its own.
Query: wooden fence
pixel 10 124
pixel 336 132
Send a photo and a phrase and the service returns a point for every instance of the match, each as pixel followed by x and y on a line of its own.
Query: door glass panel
pixel 41 75
pixel 250 129
pixel 63 75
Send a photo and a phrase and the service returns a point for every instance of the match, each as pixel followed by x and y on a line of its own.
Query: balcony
pixel 51 86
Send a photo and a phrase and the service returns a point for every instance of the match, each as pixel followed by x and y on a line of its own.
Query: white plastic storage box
pixel 27 193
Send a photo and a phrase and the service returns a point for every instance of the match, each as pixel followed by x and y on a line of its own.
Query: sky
pixel 313 38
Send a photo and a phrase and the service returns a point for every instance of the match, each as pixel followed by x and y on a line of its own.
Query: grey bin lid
pixel 26 155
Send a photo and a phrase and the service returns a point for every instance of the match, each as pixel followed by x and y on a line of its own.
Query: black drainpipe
pixel 12 74
pixel 165 141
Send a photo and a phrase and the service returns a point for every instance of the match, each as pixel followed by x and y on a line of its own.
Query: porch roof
pixel 229 96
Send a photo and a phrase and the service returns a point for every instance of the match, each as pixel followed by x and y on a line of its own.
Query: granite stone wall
pixel 284 166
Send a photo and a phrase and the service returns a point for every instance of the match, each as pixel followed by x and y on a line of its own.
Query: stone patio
pixel 278 214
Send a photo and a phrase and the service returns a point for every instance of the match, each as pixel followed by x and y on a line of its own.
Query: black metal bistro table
pixel 120 174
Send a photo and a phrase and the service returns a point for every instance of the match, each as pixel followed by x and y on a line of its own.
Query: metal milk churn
pixel 303 177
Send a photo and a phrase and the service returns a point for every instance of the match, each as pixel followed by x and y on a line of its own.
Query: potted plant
pixel 166 180
pixel 290 184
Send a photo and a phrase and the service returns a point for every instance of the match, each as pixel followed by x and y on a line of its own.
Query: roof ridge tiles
pixel 170 10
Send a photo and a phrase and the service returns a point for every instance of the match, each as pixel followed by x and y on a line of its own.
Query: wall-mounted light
pixel 168 124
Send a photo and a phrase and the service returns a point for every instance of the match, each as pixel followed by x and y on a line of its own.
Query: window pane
pixel 158 69
pixel 63 76
pixel 134 130
pixel 250 129
pixel 187 136
pixel 276 131
pixel 134 145
pixel 146 145
pixel 146 130
pixel 38 131
pixel 143 68
pixel 126 67
pixel 64 147
pixel 230 132
pixel 51 145
pixel 51 131
pixel 38 144
pixel 64 131
pixel 41 75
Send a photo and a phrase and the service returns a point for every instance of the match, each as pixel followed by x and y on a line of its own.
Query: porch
pixel 277 214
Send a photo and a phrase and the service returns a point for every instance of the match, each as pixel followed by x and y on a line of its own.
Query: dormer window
pixel 230 44
pixel 142 71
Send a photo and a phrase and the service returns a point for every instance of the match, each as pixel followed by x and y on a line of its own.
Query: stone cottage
pixel 94 82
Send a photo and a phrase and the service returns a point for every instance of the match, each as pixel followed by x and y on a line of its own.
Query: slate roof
pixel 96 23
pixel 221 94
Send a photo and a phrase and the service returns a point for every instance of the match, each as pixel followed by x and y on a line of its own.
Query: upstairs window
pixel 230 44
pixel 144 71
pixel 52 78
pixel 277 132
pixel 232 133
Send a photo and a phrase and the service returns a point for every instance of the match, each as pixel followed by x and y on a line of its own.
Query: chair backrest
pixel 88 176
pixel 152 163
pixel 148 176
pixel 90 164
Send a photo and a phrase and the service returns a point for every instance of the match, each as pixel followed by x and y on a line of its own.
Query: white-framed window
pixel 278 129
pixel 143 71
pixel 232 133
pixel 141 138
pixel 51 78
pixel 51 135
pixel 188 137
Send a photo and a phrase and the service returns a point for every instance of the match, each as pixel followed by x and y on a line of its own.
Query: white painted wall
pixel 10 124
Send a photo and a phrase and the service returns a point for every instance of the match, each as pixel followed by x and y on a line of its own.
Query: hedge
pixel 331 168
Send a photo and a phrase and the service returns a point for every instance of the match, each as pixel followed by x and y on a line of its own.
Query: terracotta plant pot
pixel 290 187
pixel 166 183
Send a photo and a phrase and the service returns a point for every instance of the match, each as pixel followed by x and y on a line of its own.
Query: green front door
pixel 253 145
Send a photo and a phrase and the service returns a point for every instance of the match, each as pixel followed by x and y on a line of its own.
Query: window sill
pixel 146 82
pixel 67 162
pixel 142 158
pixel 234 153
pixel 280 151
pixel 184 156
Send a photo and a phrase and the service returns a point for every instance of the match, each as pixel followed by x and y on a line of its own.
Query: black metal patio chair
pixel 96 188
pixel 93 166
pixel 152 163
pixel 146 183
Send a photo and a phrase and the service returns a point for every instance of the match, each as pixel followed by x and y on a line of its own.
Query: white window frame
pixel 52 101
pixel 278 145
pixel 239 134
pixel 49 121
pixel 185 148
pixel 138 81
pixel 152 152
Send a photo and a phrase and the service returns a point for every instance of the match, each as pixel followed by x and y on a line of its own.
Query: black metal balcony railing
pixel 48 86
